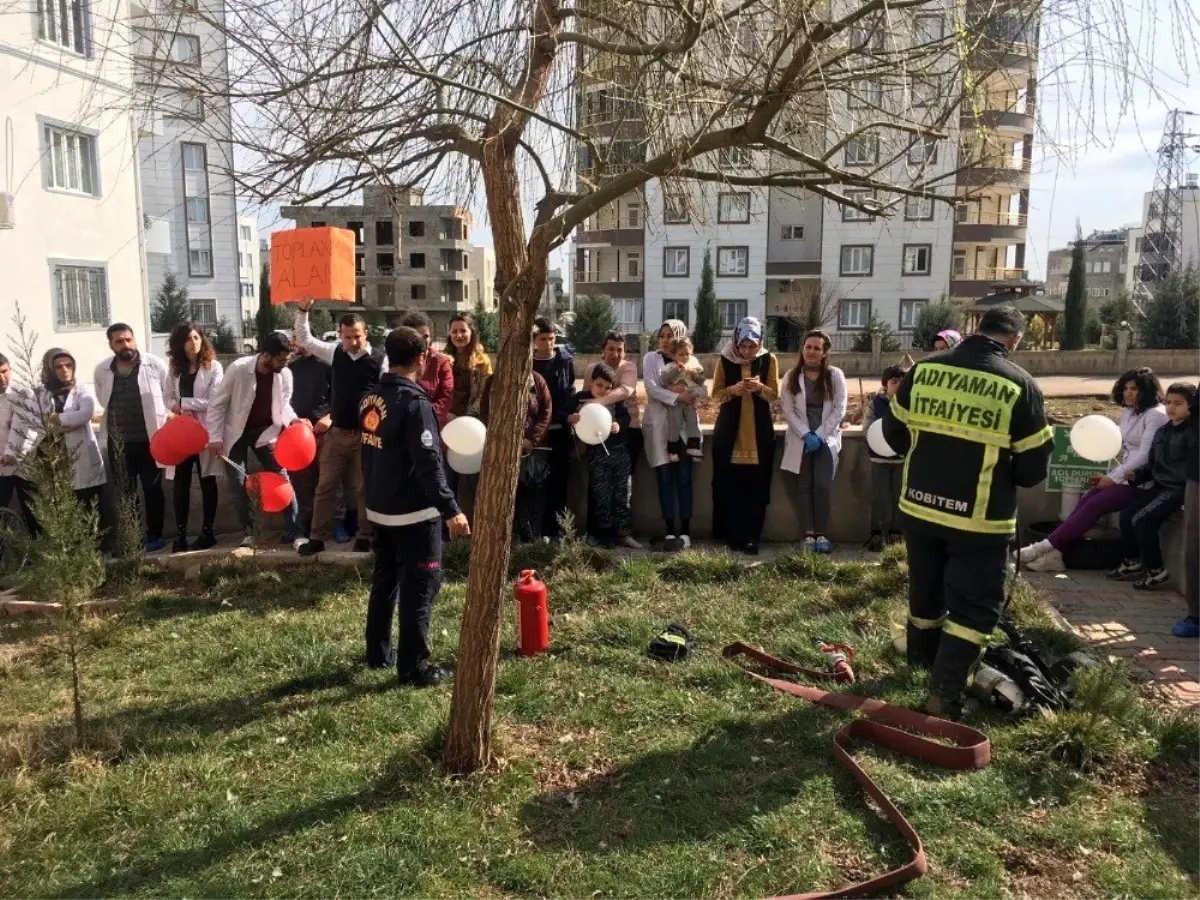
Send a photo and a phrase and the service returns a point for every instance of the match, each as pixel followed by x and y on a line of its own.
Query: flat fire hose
pixel 888 726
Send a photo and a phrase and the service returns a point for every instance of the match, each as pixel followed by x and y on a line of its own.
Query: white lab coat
pixel 229 406
pixel 207 380
pixel 152 385
pixel 27 432
pixel 795 412
pixel 8 410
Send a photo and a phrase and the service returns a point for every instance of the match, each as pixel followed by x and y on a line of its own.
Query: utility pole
pixel 1162 234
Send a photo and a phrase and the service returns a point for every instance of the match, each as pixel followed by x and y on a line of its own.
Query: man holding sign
pixel 355 371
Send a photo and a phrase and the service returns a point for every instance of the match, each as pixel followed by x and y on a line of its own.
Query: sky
pixel 1097 144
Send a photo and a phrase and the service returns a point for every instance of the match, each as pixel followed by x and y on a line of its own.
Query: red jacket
pixel 438 381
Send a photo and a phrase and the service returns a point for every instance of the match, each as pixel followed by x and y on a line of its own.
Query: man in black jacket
pixel 557 367
pixel 407 499
pixel 974 428
pixel 311 379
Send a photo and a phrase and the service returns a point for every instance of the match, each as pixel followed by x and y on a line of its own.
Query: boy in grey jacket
pixel 1163 480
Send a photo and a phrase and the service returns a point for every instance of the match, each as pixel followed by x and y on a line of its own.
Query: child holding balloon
pixel 885 470
pixel 609 483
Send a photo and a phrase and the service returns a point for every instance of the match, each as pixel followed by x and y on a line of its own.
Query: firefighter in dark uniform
pixel 974 430
pixel 407 500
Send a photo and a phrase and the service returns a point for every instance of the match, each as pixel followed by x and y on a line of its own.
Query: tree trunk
pixel 521 276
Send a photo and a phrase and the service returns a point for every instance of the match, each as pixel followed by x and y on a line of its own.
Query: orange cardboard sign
pixel 312 264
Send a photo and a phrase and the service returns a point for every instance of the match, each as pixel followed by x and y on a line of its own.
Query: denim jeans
pixel 675 479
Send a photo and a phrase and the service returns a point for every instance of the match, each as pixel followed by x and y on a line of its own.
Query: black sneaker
pixel 750 548
pixel 427 676
pixel 180 544
pixel 362 545
pixel 205 541
pixel 1129 568
pixel 1152 579
pixel 895 537
pixel 311 548
pixel 941 708
pixel 875 544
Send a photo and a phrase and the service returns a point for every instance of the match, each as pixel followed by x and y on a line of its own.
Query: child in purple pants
pixel 1140 395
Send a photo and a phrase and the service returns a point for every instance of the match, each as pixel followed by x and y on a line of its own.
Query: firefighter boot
pixel 951 673
pixel 922 643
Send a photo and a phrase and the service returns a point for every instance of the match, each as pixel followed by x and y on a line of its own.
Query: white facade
pixel 482 264
pixel 249 264
pixel 70 244
pixel 181 68
pixel 731 224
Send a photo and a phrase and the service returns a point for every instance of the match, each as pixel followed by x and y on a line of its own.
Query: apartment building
pixel 249 265
pixel 1189 230
pixel 70 235
pixel 482 268
pixel 1105 265
pixel 774 251
pixel 181 70
pixel 408 254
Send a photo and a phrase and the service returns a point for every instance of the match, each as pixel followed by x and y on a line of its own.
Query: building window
pixel 930 29
pixel 194 158
pixel 317 225
pixel 357 228
pixel 633 265
pixel 417 292
pixel 184 48
pixel 865 94
pixel 244 231
pixel 910 312
pixel 676 262
pixel 675 208
pixel 866 34
pixel 416 229
pixel 792 233
pixel 850 214
pixel 199 261
pixel 628 311
pixel 858 259
pixel 677 309
pixel 66 23
pixel 733 157
pixel 732 312
pixel 958 264
pixel 633 215
pixel 197 210
pixel 923 152
pixel 916 259
pixel 204 312
pixel 862 150
pixel 247 289
pixel 383 233
pixel 416 260
pixel 918 209
pixel 924 92
pixel 69 161
pixel 733 209
pixel 854 314
pixel 733 262
pixel 385 263
pixel 80 296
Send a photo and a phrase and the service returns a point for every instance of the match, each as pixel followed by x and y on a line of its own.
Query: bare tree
pixel 558 108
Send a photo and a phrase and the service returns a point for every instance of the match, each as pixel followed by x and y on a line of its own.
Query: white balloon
pixel 1096 438
pixel 876 441
pixel 464 465
pixel 595 423
pixel 465 436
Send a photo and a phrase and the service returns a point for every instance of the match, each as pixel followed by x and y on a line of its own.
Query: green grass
pixel 238 748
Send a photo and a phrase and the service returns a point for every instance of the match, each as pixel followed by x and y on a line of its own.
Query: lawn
pixel 239 748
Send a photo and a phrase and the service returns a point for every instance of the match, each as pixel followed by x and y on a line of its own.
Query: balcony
pixel 1003 121
pixel 990 171
pixel 611 237
pixel 990 228
pixel 619 287
pixel 978 282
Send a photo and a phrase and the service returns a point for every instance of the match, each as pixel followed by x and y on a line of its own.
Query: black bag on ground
pixel 672 645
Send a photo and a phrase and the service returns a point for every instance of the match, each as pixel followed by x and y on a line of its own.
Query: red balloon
pixel 178 439
pixel 274 491
pixel 296 447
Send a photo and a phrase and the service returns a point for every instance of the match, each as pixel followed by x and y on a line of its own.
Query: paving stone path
pixel 1134 625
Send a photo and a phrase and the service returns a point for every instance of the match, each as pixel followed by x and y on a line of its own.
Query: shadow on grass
pixel 724 782
pixel 391 786
pixel 1172 801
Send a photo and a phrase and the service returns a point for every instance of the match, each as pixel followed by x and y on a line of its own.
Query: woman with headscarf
pixel 946 339
pixel 745 384
pixel 674 478
pixel 65 409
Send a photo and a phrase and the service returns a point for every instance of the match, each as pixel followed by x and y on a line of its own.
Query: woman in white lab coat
pixel 194 376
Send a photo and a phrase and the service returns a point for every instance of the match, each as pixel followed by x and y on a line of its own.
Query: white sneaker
pixel 809 545
pixel 1032 552
pixel 685 542
pixel 1047 562
pixel 248 541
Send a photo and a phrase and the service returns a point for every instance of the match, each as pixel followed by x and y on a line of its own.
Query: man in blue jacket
pixel 407 499
pixel 557 366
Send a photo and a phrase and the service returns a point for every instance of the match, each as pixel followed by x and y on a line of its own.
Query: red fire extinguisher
pixel 533 614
